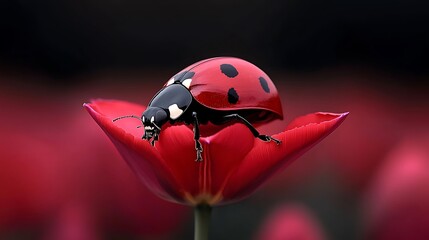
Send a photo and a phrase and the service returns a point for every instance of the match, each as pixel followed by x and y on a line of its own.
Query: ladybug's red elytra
pixel 216 90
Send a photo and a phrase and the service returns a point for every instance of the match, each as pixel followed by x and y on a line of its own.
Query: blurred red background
pixel 60 177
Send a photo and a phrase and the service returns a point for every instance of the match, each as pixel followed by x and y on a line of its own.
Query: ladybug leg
pixel 255 132
pixel 155 138
pixel 198 146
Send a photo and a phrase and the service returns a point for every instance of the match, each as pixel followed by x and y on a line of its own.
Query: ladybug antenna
pixel 156 126
pixel 128 116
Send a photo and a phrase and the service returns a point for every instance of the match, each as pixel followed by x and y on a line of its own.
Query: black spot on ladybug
pixel 183 75
pixel 264 84
pixel 232 96
pixel 229 70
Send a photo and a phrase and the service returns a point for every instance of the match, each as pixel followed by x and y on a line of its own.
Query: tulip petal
pixel 144 159
pixel 266 159
pixel 204 181
pixel 225 152
pixel 177 148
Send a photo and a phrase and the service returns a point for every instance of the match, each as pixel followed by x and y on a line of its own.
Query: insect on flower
pixel 217 90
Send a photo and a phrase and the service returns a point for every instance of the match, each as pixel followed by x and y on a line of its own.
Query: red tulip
pixel 291 223
pixel 235 162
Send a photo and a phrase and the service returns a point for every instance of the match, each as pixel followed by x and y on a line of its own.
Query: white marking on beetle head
pixel 152 119
pixel 143 119
pixel 175 111
pixel 148 128
pixel 187 82
pixel 169 82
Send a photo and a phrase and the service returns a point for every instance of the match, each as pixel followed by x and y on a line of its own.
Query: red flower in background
pixel 235 162
pixel 73 223
pixel 398 203
pixel 290 222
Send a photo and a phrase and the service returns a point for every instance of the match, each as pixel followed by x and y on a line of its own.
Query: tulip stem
pixel 202 222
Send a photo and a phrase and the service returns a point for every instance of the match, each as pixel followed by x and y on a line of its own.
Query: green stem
pixel 202 222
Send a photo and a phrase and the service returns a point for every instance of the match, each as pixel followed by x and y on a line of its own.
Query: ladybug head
pixel 153 119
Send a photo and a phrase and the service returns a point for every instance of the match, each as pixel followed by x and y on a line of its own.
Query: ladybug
pixel 217 90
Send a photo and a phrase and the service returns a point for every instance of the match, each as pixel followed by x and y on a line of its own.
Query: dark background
pixel 62 39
